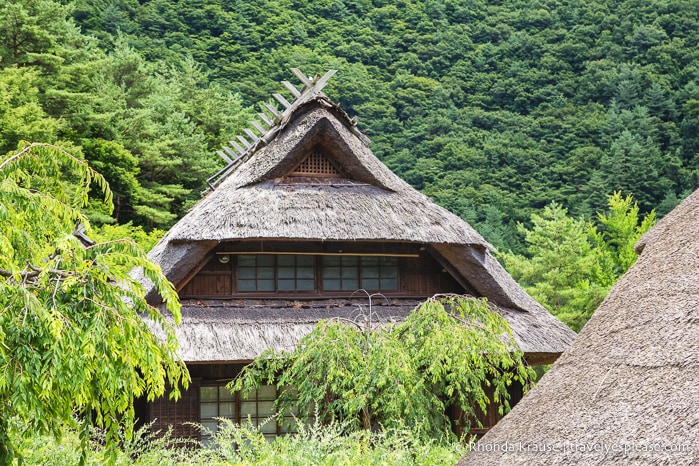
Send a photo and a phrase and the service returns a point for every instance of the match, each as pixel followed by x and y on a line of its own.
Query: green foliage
pixel 72 339
pixel 119 167
pixel 144 240
pixel 21 113
pixel 35 32
pixel 144 448
pixel 314 444
pixel 445 353
pixel 618 232
pixel 331 444
pixel 494 109
pixel 560 272
pixel 573 263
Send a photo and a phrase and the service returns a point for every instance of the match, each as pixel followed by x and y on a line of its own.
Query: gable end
pixel 316 164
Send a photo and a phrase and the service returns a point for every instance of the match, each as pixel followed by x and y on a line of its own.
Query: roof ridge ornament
pixel 270 126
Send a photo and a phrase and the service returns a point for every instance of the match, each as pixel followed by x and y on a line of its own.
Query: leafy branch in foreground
pixel 72 340
pixel 446 352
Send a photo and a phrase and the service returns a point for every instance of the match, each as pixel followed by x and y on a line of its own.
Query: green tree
pixel 618 232
pixel 561 265
pixel 571 263
pixel 371 375
pixel 120 168
pixel 72 336
pixel 21 113
pixel 35 32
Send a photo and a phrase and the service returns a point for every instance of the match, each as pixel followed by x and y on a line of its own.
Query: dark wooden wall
pixel 487 418
pixel 164 412
pixel 417 276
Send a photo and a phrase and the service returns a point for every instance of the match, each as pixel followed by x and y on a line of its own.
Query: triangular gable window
pixel 316 165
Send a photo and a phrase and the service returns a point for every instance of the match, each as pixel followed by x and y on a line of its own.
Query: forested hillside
pixel 494 109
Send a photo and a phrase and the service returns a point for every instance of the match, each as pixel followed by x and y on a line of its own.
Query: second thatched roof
pixel 627 391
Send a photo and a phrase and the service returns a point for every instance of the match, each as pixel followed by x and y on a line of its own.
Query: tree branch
pixel 32 146
pixel 33 273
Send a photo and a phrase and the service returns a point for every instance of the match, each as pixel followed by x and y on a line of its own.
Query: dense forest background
pixel 494 109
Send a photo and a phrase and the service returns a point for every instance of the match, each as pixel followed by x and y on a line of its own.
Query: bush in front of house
pixel 233 444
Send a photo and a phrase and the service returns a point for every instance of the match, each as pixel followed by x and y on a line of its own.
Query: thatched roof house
pixel 303 218
pixel 627 391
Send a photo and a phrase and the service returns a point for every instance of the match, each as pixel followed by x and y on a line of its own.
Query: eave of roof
pixel 240 330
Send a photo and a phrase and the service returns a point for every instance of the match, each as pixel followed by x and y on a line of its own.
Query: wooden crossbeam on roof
pixel 302 77
pixel 252 135
pixel 244 141
pixel 224 156
pixel 274 110
pixel 237 147
pixel 290 87
pixel 258 127
pixel 280 98
pixel 266 119
pixel 311 86
pixel 231 152
pixel 320 83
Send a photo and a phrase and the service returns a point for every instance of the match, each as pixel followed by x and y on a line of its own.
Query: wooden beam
pixel 297 253
pixel 237 147
pixel 193 272
pixel 252 135
pixel 302 77
pixel 259 127
pixel 290 87
pixel 269 135
pixel 460 279
pixel 224 156
pixel 244 141
pixel 266 119
pixel 280 98
pixel 274 111
pixel 320 84
pixel 231 152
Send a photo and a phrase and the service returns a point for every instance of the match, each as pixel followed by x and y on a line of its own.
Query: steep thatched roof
pixel 257 201
pixel 631 379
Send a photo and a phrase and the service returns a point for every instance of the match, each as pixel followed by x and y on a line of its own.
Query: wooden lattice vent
pixel 316 165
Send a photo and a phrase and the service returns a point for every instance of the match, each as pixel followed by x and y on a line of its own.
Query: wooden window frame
pixel 238 418
pixel 418 274
pixel 318 275
pixel 316 164
pixel 361 277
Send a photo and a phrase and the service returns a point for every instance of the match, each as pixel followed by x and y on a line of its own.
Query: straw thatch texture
pixel 239 331
pixel 631 379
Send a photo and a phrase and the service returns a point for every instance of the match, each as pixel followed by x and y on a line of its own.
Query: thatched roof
pixel 256 201
pixel 240 330
pixel 631 379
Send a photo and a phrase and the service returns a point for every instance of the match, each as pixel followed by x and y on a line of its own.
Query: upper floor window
pixel 269 273
pixel 317 274
pixel 290 272
pixel 349 273
pixel 257 408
